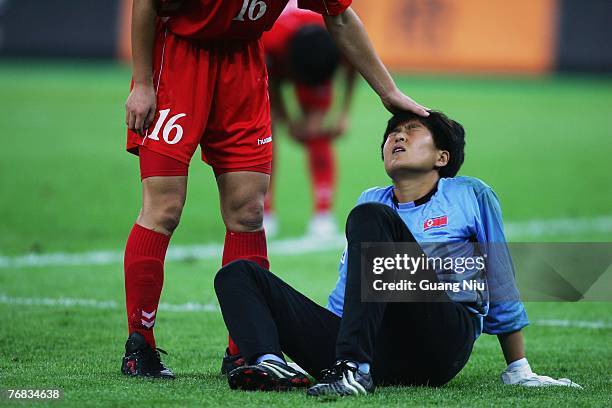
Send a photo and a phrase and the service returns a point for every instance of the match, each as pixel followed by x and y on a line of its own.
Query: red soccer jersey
pixel 239 19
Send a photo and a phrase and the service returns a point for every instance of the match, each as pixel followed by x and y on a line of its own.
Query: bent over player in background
pixel 426 340
pixel 300 51
pixel 199 79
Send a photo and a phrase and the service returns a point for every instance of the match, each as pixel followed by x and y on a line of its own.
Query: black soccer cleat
pixel 141 360
pixel 230 362
pixel 342 380
pixel 267 376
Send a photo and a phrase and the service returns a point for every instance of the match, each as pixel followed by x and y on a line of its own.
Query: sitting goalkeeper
pixel 352 345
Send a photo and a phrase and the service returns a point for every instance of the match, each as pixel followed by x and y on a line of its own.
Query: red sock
pixel 322 172
pixel 244 245
pixel 232 348
pixel 144 277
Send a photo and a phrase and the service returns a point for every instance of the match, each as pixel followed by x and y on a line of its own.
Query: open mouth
pixel 398 149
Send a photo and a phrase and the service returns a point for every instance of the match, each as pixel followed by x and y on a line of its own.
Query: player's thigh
pixel 158 190
pixel 184 81
pixel 238 133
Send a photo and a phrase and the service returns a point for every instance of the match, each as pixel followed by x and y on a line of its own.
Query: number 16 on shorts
pixel 172 132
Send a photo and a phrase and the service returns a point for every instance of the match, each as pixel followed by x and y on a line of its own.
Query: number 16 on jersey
pixel 256 10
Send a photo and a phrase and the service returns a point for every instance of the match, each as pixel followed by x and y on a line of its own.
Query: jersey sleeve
pixel 325 7
pixel 506 312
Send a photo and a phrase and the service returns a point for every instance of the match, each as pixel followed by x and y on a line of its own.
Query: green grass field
pixel 544 145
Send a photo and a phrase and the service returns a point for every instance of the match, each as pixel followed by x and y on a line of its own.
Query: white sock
pixel 272 357
pixel 517 364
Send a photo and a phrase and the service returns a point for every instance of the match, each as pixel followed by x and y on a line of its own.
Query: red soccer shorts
pixel 213 95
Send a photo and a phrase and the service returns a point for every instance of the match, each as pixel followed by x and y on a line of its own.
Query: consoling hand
pixel 396 102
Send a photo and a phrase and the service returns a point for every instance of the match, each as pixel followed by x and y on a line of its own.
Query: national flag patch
pixel 437 222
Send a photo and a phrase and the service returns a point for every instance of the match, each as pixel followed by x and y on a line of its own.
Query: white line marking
pixel 559 226
pixel 298 246
pixel 583 324
pixel 194 307
pixel 102 304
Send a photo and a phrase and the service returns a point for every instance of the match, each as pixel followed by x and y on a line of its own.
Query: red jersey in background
pixel 239 19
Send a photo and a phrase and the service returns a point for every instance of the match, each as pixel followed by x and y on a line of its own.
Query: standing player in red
pixel 299 50
pixel 199 78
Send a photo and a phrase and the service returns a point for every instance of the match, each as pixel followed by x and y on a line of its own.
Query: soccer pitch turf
pixel 543 144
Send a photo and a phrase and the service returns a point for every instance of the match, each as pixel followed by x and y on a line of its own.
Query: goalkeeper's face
pixel 410 149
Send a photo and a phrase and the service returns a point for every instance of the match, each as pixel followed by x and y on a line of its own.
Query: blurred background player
pixel 199 79
pixel 299 50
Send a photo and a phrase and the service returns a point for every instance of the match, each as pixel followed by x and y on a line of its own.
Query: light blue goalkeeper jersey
pixel 461 210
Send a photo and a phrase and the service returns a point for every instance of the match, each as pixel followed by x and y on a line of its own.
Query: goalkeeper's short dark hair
pixel 313 55
pixel 447 134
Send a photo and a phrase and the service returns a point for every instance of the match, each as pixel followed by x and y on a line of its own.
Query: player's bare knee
pixel 164 217
pixel 248 217
pixel 170 216
pixel 250 222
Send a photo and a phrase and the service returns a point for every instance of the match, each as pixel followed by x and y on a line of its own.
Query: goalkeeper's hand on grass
pixel 522 375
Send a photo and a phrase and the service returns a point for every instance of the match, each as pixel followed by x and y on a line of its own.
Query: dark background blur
pixel 444 35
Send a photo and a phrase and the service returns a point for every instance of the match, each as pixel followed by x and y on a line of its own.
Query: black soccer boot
pixel 230 362
pixel 141 360
pixel 342 380
pixel 268 375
